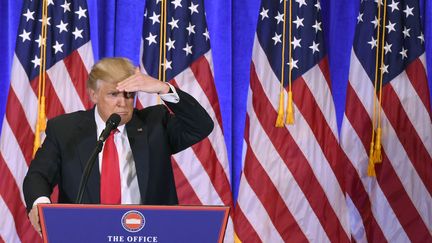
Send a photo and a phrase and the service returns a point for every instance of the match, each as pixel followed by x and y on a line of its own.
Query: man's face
pixel 109 100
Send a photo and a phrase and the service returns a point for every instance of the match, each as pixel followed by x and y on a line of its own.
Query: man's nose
pixel 121 100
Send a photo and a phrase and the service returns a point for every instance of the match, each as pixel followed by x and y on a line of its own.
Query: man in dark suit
pixel 144 142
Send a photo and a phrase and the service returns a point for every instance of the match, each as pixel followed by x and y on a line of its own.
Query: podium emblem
pixel 133 221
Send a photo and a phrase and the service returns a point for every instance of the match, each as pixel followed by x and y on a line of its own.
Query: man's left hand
pixel 143 83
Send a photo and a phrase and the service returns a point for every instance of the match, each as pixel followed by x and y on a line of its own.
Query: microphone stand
pixel 89 165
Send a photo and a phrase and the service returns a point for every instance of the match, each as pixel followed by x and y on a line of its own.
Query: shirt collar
pixel 100 124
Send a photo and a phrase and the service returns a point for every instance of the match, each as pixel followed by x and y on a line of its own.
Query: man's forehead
pixel 106 85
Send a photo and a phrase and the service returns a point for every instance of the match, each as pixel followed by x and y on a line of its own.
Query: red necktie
pixel 110 191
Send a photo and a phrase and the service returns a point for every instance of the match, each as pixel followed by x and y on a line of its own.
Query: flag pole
pixel 371 168
pixel 162 46
pixel 290 109
pixel 377 149
pixel 280 116
pixel 162 29
pixel 164 9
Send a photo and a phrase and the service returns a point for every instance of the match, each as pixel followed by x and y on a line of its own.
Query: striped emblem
pixel 292 187
pixel 201 172
pixel 396 205
pixel 69 58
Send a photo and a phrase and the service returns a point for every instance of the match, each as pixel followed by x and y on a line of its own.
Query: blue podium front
pixel 132 223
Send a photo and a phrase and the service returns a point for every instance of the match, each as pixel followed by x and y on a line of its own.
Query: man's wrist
pixel 171 96
pixel 165 89
pixel 42 199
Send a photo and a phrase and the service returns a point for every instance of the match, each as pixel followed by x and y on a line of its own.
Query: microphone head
pixel 113 120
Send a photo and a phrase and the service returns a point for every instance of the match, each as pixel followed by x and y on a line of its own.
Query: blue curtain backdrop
pixel 116 31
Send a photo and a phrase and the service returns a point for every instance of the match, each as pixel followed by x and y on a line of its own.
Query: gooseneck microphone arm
pixel 111 124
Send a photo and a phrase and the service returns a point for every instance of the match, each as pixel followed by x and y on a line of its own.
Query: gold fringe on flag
pixel 236 238
pixel 41 117
pixel 279 119
pixel 290 109
pixel 377 157
pixel 371 167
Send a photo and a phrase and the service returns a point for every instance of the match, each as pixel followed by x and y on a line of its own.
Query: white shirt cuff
pixel 170 97
pixel 41 200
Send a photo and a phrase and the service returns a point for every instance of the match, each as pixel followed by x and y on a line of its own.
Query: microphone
pixel 111 124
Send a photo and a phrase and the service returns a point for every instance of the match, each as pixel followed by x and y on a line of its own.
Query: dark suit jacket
pixel 154 134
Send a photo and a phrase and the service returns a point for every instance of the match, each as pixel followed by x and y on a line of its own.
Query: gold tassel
pixel 371 168
pixel 290 110
pixel 236 238
pixel 279 119
pixel 40 126
pixel 42 116
pixel 37 142
pixel 377 158
pixel 371 165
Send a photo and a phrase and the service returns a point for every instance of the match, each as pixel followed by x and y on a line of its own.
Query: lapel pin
pixel 139 129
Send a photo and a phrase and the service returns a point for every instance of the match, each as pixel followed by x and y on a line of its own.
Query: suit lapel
pixel 137 134
pixel 87 141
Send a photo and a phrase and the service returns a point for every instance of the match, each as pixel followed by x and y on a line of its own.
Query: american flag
pixel 68 60
pixel 202 171
pixel 396 205
pixel 292 187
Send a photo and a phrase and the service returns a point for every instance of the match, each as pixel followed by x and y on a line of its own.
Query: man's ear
pixel 93 95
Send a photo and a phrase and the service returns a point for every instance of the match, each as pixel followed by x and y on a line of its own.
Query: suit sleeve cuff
pixel 41 200
pixel 172 96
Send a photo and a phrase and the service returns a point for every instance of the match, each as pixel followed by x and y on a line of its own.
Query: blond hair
pixel 112 70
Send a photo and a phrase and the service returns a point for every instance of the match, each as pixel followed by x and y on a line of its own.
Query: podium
pixel 132 223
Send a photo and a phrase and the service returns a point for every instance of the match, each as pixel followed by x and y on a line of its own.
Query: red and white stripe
pixel 65 92
pixel 202 171
pixel 292 187
pixel 398 201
